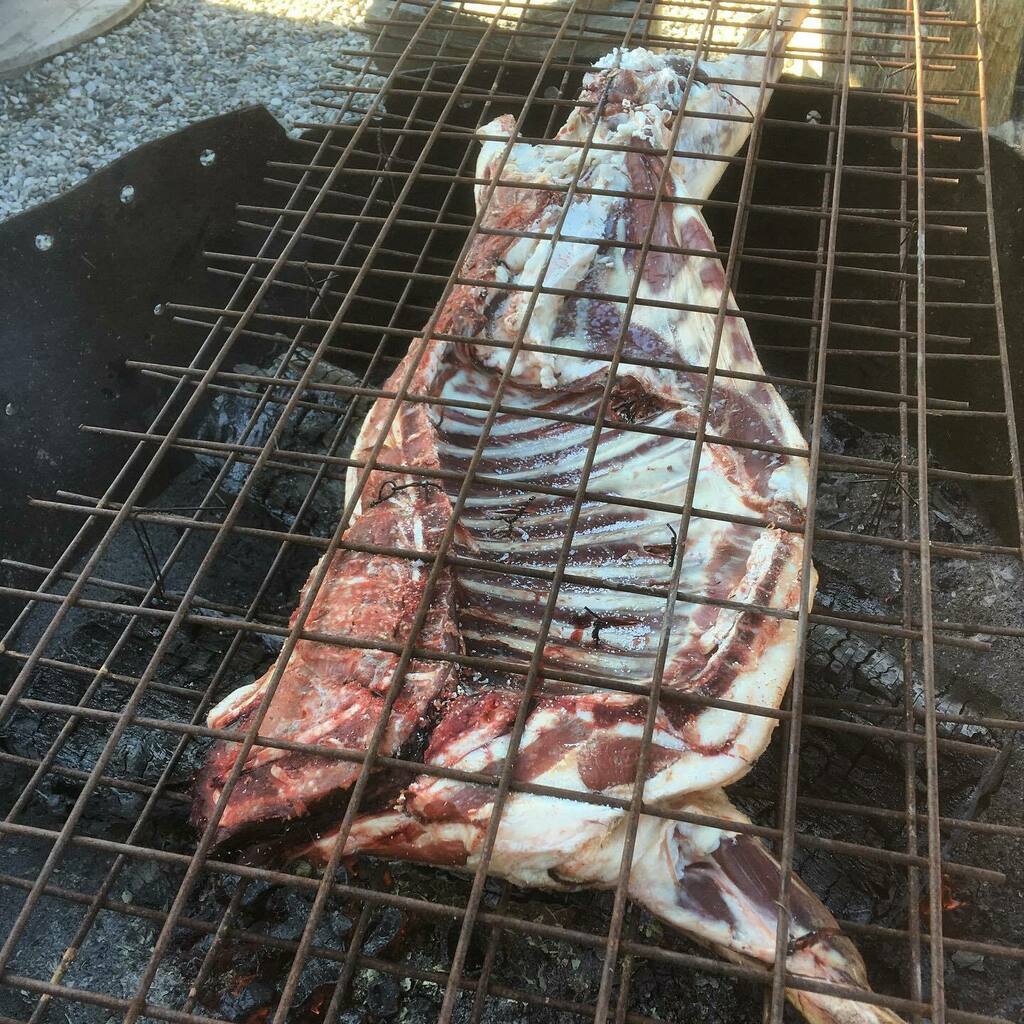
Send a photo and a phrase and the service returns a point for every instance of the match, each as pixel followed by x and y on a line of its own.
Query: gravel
pixel 176 62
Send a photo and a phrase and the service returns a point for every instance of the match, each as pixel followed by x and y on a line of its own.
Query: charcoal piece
pixel 949 508
pixel 353 1017
pixel 143 753
pixel 493 888
pixel 257 892
pixel 386 929
pixel 337 924
pixel 964 959
pixel 860 666
pixel 287 911
pixel 476 952
pixel 332 930
pixel 383 998
pixel 313 431
pixel 316 982
pixel 149 883
pixel 250 997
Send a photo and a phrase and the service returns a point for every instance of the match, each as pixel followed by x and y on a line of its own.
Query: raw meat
pixel 713 884
pixel 331 695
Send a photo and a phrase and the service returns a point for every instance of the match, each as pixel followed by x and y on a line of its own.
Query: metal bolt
pixel 158 309
pixel 207 158
pixel 44 242
pixel 814 117
pixel 128 194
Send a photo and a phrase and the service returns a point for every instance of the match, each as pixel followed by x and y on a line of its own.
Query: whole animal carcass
pixel 717 885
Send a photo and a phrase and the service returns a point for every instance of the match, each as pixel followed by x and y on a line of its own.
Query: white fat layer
pixel 568 265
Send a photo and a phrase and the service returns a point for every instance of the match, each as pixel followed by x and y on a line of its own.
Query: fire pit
pixel 859 234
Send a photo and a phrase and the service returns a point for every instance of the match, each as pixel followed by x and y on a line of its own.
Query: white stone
pixel 55 120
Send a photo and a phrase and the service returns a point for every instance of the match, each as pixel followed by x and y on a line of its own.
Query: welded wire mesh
pixel 353 268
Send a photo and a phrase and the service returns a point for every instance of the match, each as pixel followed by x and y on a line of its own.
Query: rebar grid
pixel 317 185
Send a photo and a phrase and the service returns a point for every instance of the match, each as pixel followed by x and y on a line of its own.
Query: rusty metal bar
pixel 267 273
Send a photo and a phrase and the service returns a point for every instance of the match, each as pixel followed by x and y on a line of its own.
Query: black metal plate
pixel 72 315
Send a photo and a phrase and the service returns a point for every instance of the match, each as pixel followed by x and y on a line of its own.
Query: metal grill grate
pixel 353 267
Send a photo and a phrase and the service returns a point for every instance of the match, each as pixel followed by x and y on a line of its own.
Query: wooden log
pixel 31 30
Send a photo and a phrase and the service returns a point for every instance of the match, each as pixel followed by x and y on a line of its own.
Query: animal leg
pixel 722 888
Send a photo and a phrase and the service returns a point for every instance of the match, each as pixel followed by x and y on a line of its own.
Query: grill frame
pixel 204 376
